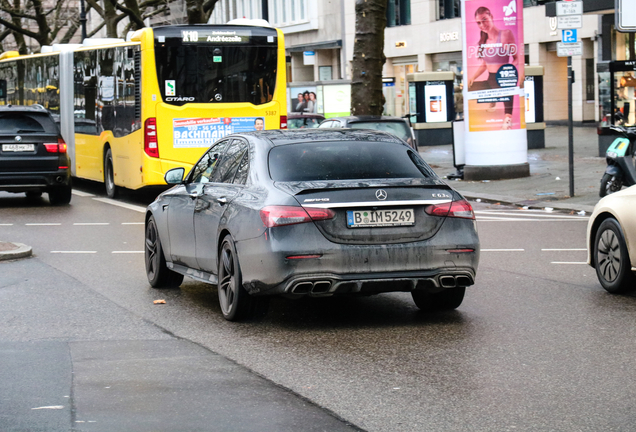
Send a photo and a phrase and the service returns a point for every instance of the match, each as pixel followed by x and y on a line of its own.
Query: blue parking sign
pixel 569 36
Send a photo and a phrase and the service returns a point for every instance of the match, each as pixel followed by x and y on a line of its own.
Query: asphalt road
pixel 536 345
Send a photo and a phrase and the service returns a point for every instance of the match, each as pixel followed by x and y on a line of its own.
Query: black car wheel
pixel 109 175
pixel 448 299
pixel 60 195
pixel 159 275
pixel 33 195
pixel 613 266
pixel 236 303
pixel 610 184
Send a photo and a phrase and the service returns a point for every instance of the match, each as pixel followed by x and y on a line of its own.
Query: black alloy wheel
pixel 610 184
pixel 447 299
pixel 109 175
pixel 613 266
pixel 159 275
pixel 236 303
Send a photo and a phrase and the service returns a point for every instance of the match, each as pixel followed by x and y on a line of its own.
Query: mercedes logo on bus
pixel 380 194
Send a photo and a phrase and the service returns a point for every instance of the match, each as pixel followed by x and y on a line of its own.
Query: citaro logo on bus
pixel 170 88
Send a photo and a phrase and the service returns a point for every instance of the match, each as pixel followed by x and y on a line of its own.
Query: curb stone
pixel 10 251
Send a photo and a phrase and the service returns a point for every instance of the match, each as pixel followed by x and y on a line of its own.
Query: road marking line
pixel 91 223
pixel 73 252
pixel 120 204
pixel 128 252
pixel 554 250
pixel 6 224
pixel 43 224
pixel 534 215
pixel 502 250
pixel 494 219
pixel 132 223
pixel 563 262
pixel 82 194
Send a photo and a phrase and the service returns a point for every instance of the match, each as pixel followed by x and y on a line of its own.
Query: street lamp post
pixel 83 19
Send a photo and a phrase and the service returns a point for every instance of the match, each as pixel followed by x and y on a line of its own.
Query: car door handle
pixel 221 200
pixel 193 195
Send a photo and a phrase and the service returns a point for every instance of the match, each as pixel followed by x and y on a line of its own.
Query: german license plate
pixel 18 147
pixel 380 218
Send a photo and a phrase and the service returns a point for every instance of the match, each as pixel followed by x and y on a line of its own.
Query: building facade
pixel 424 36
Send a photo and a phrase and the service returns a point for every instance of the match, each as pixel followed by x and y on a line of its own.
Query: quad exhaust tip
pixel 319 287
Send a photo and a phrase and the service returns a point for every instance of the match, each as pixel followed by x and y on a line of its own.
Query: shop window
pixel 398 13
pixel 447 9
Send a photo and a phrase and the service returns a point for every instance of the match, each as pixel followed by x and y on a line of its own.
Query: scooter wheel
pixel 610 184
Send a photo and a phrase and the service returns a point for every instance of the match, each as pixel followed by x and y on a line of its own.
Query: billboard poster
pixel 530 103
pixel 303 100
pixel 435 102
pixel 494 97
pixel 337 100
pixel 494 64
pixel 203 132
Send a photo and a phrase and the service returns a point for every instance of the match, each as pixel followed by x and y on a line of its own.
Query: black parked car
pixel 397 126
pixel 33 156
pixel 312 212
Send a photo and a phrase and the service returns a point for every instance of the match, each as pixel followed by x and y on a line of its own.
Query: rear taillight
pixel 458 209
pixel 58 147
pixel 288 215
pixel 283 122
pixel 150 137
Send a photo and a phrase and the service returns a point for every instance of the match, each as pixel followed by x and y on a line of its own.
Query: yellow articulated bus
pixel 131 110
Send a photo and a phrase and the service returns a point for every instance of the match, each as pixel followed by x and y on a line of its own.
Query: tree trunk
pixel 110 17
pixel 368 58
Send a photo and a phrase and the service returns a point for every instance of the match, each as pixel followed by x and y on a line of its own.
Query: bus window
pixel 217 72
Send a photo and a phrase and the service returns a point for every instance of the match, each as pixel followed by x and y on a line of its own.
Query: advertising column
pixel 494 99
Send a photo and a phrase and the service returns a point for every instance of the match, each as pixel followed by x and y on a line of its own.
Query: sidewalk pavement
pixel 548 184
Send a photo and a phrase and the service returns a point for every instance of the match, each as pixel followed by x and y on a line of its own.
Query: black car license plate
pixel 380 218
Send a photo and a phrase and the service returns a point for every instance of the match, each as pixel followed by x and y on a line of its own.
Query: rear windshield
pixel 352 160
pixel 14 123
pixel 399 129
pixel 205 66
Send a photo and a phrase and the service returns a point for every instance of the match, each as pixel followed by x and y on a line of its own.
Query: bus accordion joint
pixel 150 137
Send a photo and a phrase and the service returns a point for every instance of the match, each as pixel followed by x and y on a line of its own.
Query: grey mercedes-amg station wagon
pixel 312 213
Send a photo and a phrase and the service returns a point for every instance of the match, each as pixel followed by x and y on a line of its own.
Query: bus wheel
pixel 109 175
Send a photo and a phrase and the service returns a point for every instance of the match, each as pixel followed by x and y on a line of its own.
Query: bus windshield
pixel 206 66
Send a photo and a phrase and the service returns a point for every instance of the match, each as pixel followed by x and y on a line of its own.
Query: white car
pixel 611 241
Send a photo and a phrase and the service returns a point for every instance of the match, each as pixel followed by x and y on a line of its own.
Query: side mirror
pixel 174 176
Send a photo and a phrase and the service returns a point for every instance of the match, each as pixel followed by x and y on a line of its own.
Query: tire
pixel 610 184
pixel 159 275
pixel 236 303
pixel 32 196
pixel 60 195
pixel 611 258
pixel 109 175
pixel 448 299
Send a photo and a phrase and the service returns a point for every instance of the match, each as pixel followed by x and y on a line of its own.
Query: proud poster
pixel 494 65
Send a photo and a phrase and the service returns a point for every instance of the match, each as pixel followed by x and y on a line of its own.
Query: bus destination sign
pixel 215 36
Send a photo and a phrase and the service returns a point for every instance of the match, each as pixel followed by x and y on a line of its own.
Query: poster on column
pixel 494 64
